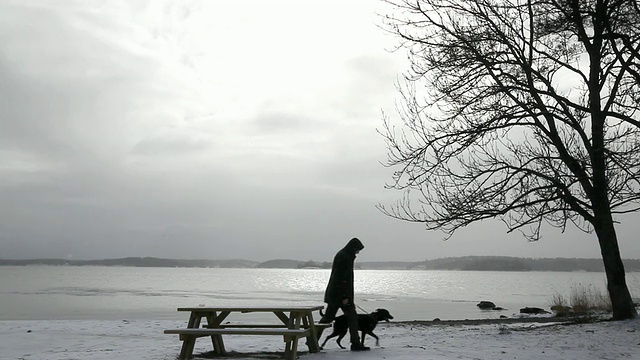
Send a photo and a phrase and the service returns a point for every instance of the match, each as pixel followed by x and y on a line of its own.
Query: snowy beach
pixel 144 339
pixel 78 313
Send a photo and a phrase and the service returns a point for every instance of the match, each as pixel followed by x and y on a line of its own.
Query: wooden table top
pixel 252 308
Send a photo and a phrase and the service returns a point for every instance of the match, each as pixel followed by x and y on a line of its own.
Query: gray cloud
pixel 206 130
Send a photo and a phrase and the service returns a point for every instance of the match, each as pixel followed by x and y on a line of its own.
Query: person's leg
pixel 352 321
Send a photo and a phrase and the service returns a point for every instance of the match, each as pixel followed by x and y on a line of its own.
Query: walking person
pixel 339 293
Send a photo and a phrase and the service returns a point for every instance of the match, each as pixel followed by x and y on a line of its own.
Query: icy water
pixel 68 292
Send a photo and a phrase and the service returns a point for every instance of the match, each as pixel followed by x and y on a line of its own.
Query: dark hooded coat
pixel 340 285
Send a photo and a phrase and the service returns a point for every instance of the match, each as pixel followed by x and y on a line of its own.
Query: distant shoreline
pixel 466 263
pixel 524 320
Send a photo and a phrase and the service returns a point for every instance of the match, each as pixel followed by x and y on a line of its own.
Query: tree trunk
pixel 621 301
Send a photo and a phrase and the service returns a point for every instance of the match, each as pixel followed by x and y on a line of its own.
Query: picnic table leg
pixel 214 321
pixel 295 319
pixel 189 342
pixel 312 338
pixel 291 342
pixel 291 348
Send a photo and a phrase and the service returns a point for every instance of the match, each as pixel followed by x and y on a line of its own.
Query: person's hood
pixel 354 245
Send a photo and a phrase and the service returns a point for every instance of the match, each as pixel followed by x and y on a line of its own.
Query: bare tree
pixel 521 110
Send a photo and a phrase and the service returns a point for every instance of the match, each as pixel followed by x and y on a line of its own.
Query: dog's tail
pixel 324 319
pixel 321 328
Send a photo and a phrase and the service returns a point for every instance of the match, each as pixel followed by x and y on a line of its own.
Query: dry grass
pixel 558 301
pixel 582 300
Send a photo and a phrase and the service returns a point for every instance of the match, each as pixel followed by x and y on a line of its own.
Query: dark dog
pixel 366 324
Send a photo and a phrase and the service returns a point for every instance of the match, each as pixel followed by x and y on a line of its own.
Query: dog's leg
pixel 327 339
pixel 339 339
pixel 374 336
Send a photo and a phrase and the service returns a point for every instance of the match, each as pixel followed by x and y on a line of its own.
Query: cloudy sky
pixel 213 129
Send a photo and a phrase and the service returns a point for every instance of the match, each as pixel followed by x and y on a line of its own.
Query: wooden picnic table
pixel 295 322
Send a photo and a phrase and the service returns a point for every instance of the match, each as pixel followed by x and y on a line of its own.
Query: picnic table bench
pixel 295 322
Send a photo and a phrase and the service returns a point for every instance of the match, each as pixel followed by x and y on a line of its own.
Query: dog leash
pixel 359 307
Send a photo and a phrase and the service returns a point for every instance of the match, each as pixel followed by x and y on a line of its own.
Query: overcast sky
pixel 212 130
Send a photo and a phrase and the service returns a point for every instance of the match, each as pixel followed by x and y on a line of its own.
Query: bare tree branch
pixel 524 111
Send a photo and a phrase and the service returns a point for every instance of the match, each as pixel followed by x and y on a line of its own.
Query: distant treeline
pixel 466 263
pixel 297 264
pixel 138 262
pixel 503 263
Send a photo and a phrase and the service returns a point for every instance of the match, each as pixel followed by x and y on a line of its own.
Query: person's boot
pixel 359 347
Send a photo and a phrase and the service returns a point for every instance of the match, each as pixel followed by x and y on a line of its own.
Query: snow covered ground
pixel 144 339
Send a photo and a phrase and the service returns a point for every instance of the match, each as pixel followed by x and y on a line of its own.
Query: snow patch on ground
pixel 144 339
